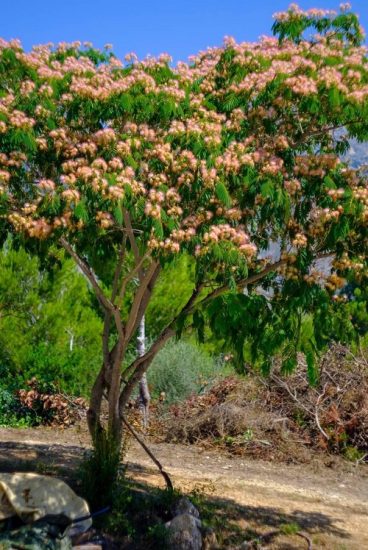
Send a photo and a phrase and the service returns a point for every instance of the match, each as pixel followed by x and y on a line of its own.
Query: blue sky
pixel 179 27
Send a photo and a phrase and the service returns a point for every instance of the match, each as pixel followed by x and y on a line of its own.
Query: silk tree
pixel 125 166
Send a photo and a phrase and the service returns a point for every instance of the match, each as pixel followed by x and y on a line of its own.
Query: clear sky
pixel 179 27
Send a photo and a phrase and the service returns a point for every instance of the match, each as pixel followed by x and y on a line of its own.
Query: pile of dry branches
pixel 283 417
pixel 51 407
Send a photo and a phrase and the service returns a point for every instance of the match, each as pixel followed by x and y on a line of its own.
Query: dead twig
pixel 164 474
pixel 319 400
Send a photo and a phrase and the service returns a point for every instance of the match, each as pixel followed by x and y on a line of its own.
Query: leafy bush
pixel 180 369
pixel 12 414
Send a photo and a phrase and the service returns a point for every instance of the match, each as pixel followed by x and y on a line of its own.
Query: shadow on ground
pixel 40 458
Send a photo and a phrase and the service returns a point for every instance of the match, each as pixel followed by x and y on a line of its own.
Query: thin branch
pixel 319 399
pixel 144 282
pixel 130 276
pixel 145 301
pixel 254 278
pixel 164 474
pixel 118 270
pixel 105 339
pixel 86 270
pixel 306 538
pixel 329 129
pixel 244 282
pixel 312 414
pixel 284 385
pixel 132 239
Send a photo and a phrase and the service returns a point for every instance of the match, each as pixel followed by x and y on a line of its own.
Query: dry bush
pixel 282 417
pixel 49 406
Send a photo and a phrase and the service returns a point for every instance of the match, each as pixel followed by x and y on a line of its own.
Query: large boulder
pixel 185 506
pixel 32 497
pixel 184 533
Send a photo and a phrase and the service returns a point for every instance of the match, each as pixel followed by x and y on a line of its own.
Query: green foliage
pixel 223 194
pixel 170 294
pixel 342 26
pixel 356 310
pixel 353 454
pixel 258 327
pixel 289 528
pixel 49 328
pixel 180 369
pixel 11 413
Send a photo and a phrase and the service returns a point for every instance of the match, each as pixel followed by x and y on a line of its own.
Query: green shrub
pixel 180 369
pixel 12 414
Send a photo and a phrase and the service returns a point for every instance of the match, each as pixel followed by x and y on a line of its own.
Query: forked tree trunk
pixel 111 382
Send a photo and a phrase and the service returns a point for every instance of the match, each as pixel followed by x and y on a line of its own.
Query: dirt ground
pixel 329 503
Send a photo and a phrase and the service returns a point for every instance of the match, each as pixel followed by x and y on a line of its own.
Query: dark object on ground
pixel 47 533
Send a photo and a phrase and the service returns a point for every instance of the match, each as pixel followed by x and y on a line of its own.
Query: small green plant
pixel 299 417
pixel 45 469
pixel 119 520
pixel 157 537
pixel 248 435
pixel 289 528
pixel 140 514
pixel 353 454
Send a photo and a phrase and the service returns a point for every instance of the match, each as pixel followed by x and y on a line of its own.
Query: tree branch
pixel 145 300
pixel 164 474
pixel 244 282
pixel 132 240
pixel 129 277
pixel 144 282
pixel 118 270
pixel 254 278
pixel 307 135
pixel 86 270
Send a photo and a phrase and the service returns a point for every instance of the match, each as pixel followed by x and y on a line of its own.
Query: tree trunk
pixel 144 394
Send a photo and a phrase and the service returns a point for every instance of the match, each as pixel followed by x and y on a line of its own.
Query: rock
pixel 184 533
pixel 32 497
pixel 184 506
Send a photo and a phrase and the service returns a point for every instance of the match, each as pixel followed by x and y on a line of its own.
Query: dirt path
pixel 331 505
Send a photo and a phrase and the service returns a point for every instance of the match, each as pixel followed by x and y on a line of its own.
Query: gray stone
pixel 184 533
pixel 184 506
